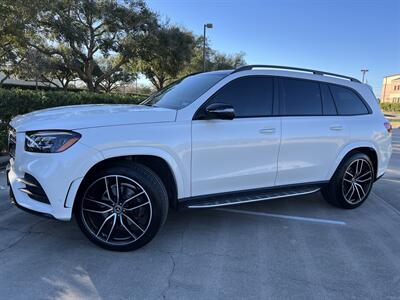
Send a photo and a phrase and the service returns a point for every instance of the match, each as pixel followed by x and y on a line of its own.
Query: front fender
pixel 178 170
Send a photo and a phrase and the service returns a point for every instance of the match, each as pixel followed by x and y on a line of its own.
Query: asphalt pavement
pixel 300 248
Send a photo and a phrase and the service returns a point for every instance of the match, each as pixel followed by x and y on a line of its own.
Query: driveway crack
pixel 24 235
pixel 169 280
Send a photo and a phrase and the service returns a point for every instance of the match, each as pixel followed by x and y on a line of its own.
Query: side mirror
pixel 220 111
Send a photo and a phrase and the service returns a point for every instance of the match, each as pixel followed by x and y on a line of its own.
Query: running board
pixel 225 199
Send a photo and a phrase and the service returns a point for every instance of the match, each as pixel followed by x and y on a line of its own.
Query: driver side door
pixel 238 154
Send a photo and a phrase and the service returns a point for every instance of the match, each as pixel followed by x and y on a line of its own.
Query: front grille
pixel 12 142
pixel 33 189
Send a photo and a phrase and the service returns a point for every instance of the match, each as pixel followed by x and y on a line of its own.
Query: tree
pixel 11 57
pixel 32 67
pixel 221 61
pixel 57 73
pixel 214 60
pixel 11 53
pixel 81 33
pixel 171 50
pixel 120 77
pixel 40 67
pixel 196 63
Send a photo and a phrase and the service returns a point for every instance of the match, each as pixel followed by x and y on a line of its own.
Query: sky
pixel 339 36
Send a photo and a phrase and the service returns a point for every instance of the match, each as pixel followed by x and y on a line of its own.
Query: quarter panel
pixel 370 130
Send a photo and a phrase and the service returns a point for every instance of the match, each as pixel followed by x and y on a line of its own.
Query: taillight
pixel 388 126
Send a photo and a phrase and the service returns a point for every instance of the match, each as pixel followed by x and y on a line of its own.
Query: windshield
pixel 185 91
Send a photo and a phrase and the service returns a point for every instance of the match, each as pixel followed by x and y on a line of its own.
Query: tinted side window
pixel 328 106
pixel 300 98
pixel 347 102
pixel 249 96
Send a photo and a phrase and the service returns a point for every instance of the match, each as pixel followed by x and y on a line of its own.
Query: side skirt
pixel 248 196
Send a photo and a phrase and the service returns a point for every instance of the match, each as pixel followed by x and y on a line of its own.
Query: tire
pixel 121 207
pixel 351 183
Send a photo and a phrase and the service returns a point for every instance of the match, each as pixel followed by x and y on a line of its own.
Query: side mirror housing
pixel 220 111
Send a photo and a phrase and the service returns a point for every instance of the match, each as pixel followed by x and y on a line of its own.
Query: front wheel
pixel 122 207
pixel 351 183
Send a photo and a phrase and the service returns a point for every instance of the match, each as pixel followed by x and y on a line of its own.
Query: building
pixel 23 84
pixel 391 89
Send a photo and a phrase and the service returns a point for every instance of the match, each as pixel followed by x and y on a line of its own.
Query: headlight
pixel 50 141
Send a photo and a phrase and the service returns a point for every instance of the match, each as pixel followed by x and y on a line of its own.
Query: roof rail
pixel 250 67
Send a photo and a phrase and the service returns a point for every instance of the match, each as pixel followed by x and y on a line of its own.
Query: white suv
pixel 211 139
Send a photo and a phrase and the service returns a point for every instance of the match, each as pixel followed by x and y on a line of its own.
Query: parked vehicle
pixel 210 139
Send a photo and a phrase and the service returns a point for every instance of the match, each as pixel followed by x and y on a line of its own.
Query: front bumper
pixel 59 174
pixel 14 201
pixel 24 202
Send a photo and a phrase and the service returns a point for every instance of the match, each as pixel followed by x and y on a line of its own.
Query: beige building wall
pixel 391 89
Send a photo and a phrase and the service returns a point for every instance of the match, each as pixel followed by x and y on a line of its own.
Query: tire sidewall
pixel 337 181
pixel 150 183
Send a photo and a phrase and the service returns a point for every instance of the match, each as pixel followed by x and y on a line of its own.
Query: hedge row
pixel 15 102
pixel 390 107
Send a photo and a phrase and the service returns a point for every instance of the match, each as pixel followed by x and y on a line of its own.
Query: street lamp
pixel 208 25
pixel 364 71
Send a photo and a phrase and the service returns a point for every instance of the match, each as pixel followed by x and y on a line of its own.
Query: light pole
pixel 208 25
pixel 364 71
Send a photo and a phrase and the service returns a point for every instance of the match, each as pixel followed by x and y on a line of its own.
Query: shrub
pixel 390 107
pixel 15 102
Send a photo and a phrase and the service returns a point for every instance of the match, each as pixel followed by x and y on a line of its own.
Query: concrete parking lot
pixel 299 248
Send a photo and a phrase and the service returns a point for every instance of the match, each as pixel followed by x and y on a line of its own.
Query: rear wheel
pixel 122 207
pixel 351 183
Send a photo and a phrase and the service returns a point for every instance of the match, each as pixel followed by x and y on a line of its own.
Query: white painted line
pixel 386 203
pixel 2 187
pixel 287 217
pixel 391 180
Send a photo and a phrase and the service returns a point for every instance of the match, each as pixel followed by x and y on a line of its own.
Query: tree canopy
pixel 100 42
pixel 83 32
pixel 171 50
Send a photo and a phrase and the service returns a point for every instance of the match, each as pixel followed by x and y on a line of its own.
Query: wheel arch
pixel 160 163
pixel 364 147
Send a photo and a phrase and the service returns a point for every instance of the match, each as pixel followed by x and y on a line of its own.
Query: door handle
pixel 336 127
pixel 267 130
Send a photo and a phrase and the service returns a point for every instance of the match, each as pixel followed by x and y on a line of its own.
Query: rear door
pixel 238 154
pixel 312 131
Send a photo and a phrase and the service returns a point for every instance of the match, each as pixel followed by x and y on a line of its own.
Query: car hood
pixel 87 116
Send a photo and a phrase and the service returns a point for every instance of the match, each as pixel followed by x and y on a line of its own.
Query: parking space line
pixel 391 180
pixel 287 217
pixel 386 203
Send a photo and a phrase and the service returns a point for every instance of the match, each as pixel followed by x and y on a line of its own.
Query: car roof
pixel 298 74
pixel 286 68
pixel 293 72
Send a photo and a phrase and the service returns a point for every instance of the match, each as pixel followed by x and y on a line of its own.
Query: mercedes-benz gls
pixel 211 139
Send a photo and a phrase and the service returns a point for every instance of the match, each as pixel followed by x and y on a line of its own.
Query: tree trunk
pixel 90 86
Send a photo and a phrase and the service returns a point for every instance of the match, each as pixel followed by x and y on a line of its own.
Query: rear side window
pixel 328 105
pixel 300 98
pixel 347 102
pixel 250 96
